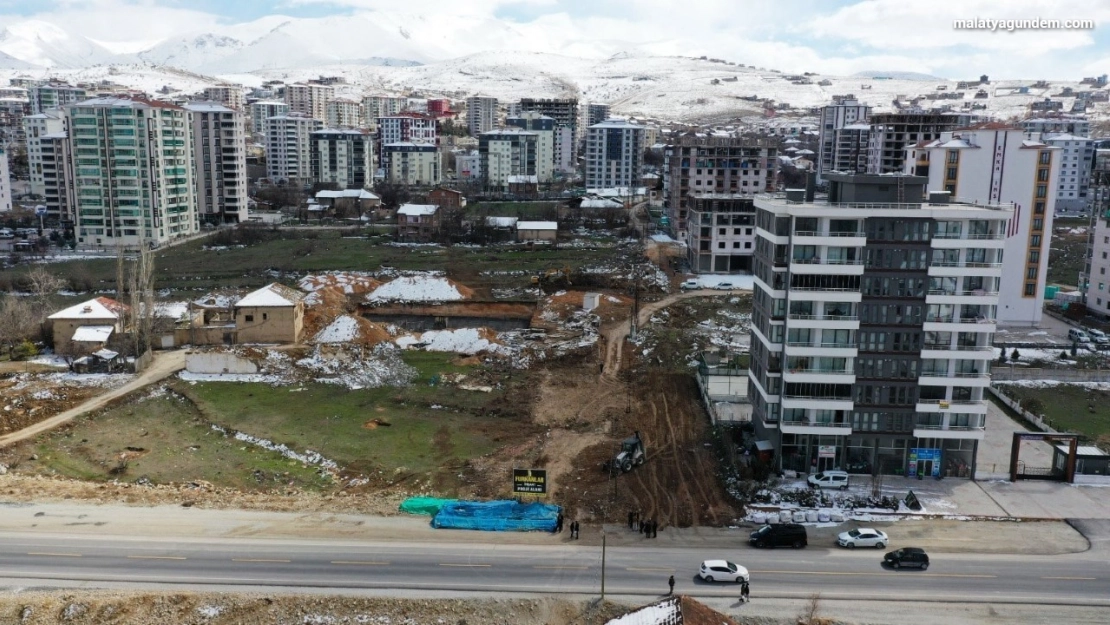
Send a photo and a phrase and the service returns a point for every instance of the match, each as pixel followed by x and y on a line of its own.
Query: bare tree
pixel 17 322
pixel 44 285
pixel 810 611
pixel 141 281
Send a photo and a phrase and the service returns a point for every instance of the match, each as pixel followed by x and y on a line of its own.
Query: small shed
pixel 272 314
pixel 1089 460
pixel 100 361
pixel 536 230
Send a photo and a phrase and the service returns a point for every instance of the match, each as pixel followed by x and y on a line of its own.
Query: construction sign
pixel 530 481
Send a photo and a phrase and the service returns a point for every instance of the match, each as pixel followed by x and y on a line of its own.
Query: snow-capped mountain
pixel 37 43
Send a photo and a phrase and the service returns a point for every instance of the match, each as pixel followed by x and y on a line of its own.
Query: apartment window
pixel 248 318
pixel 1035 240
pixel 1030 289
pixel 1031 273
pixel 1101 286
pixel 721 245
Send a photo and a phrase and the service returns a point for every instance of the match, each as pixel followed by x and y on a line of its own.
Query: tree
pixel 1015 355
pixel 392 194
pixel 17 322
pixel 142 299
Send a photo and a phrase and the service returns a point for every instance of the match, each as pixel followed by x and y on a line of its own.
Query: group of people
pixel 649 528
pixel 574 526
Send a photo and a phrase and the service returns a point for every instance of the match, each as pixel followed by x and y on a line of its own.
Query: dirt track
pixel 616 334
pixel 164 365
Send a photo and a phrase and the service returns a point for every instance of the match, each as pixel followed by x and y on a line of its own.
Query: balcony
pixel 804 426
pixel 835 239
pixel 828 266
pixel 818 403
pixel 922 430
pixel 976 406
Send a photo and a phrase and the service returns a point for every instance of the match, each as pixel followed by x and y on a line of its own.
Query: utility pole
pixel 603 565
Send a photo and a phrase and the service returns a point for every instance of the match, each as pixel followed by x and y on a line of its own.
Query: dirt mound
pixel 322 307
pixel 695 613
pixel 420 288
pixel 348 329
pixel 88 607
pixel 565 303
pixel 346 282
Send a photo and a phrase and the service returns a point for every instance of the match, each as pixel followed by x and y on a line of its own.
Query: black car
pixel 907 557
pixel 786 535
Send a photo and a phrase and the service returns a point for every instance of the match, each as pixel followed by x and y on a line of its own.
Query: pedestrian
pixel 655 529
pixel 640 525
pixel 744 592
pixel 559 523
pixel 670 582
pixel 631 515
pixel 577 527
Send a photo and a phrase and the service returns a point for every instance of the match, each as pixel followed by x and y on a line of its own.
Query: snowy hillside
pixel 42 44
pixel 665 88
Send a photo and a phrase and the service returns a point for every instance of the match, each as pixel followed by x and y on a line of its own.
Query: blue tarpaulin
pixel 497 516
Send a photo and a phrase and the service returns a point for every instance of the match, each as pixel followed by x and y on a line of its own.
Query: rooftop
pixel 98 308
pixel 273 294
pixel 207 107
pixel 417 209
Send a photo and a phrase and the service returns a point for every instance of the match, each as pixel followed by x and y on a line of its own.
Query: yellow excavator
pixel 553 276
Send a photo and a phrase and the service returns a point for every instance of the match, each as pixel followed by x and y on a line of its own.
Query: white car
pixel 724 286
pixel 690 284
pixel 862 537
pixel 829 479
pixel 723 571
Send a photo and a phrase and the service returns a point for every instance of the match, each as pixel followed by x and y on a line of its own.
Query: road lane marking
pixel 363 562
pixel 574 568
pixel 854 574
pixel 156 557
pixel 256 560
pixel 652 570
pixel 486 566
pixel 1075 578
pixel 58 555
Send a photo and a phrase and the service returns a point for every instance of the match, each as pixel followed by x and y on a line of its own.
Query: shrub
pixel 24 350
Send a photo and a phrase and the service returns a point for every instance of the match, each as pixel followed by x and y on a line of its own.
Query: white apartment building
pixel 872 325
pixel 468 165
pixel 230 95
pixel 849 148
pixel 132 171
pixel 309 99
pixel 46 158
pixel 1095 278
pixel 343 113
pixel 343 157
pixel 48 96
pixel 289 148
pixel 5 183
pixel 375 106
pixel 843 112
pixel 34 127
pixel 544 127
pixel 614 154
pixel 405 127
pixel 506 153
pixel 481 114
pixel 263 110
pixel 994 163
pixel 220 157
pixel 721 233
pixel 412 164
pixel 1062 124
pixel 1076 156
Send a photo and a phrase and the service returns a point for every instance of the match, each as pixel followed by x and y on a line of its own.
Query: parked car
pixel 907 557
pixel 725 286
pixel 1098 337
pixel 1079 336
pixel 786 535
pixel 723 571
pixel 862 537
pixel 690 284
pixel 829 479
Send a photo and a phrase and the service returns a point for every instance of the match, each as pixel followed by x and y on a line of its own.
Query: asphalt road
pixel 1073 580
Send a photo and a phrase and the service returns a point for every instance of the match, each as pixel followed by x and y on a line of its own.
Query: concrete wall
pixel 205 335
pixel 536 235
pixel 218 362
pixel 270 324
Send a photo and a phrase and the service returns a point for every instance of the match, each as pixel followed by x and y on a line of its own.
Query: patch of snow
pixel 344 329
pixel 416 289
pixel 461 341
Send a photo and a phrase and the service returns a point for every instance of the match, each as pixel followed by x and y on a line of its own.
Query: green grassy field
pixel 1069 408
pixel 426 430
pixel 191 268
pixel 1068 254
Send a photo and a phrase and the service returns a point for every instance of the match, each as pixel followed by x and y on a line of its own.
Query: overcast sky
pixel 826 36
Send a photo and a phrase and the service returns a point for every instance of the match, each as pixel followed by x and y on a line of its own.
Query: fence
pixel 142 362
pixel 1005 374
pixel 1035 420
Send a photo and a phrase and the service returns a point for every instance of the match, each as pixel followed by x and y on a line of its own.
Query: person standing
pixel 655 529
pixel 559 523
pixel 670 582
pixel 630 517
pixel 574 529
pixel 744 589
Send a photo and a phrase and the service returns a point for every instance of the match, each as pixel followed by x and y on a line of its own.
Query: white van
pixel 1079 336
pixel 829 479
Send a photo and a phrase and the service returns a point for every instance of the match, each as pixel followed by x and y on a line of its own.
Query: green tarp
pixel 424 505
